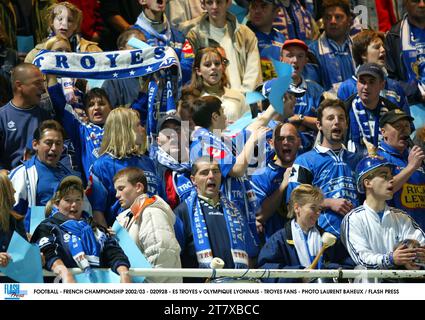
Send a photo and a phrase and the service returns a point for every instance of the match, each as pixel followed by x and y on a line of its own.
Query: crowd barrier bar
pixel 267 273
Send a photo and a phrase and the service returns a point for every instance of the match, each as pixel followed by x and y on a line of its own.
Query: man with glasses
pixel 409 169
pixel 270 182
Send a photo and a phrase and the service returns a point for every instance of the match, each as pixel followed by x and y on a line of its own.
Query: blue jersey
pixel 86 137
pixel 269 46
pixel 102 195
pixel 17 127
pixel 265 182
pixel 392 91
pixel 411 197
pixel 335 62
pixel 331 172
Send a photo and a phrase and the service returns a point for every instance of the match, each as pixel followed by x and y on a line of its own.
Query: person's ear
pixel 35 144
pixel 296 209
pixel 383 133
pixel 318 125
pixel 382 85
pixel 192 178
pixel 140 188
pixel 367 183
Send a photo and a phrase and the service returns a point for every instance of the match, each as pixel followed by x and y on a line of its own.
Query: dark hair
pixel 95 93
pixel 133 175
pixel 361 41
pixel 48 125
pixel 208 159
pixel 203 109
pixel 186 102
pixel 343 4
pixel 330 103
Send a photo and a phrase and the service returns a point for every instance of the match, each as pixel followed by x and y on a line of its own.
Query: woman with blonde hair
pixel 123 146
pixel 70 238
pixel 209 78
pixel 298 243
pixel 9 220
pixel 65 18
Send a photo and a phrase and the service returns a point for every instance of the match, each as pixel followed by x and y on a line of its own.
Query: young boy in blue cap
pixel 372 232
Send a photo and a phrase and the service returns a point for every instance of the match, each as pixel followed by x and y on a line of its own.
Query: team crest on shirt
pixel 11 126
pixel 216 153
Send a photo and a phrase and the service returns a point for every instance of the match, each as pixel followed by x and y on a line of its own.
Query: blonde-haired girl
pixel 123 145
pixel 296 245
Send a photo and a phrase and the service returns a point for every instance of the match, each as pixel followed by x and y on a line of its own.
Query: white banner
pixel 213 291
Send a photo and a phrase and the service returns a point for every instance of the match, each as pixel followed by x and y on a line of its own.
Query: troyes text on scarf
pixel 89 62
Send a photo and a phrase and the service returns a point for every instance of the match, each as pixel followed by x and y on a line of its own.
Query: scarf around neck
pixel 201 236
pixel 307 246
pixel 85 245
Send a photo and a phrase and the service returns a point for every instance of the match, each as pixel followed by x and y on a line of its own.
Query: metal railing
pixel 268 273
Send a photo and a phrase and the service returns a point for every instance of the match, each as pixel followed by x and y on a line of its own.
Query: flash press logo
pixel 13 291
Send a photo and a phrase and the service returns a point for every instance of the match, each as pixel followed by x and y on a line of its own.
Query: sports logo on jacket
pixel 11 126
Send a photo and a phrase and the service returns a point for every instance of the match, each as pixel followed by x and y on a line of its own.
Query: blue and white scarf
pixel 413 51
pixel 107 65
pixel 201 241
pixel 164 84
pixel 294 22
pixel 307 246
pixel 180 173
pixel 168 161
pixel 162 39
pixel 84 242
pixel 360 126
